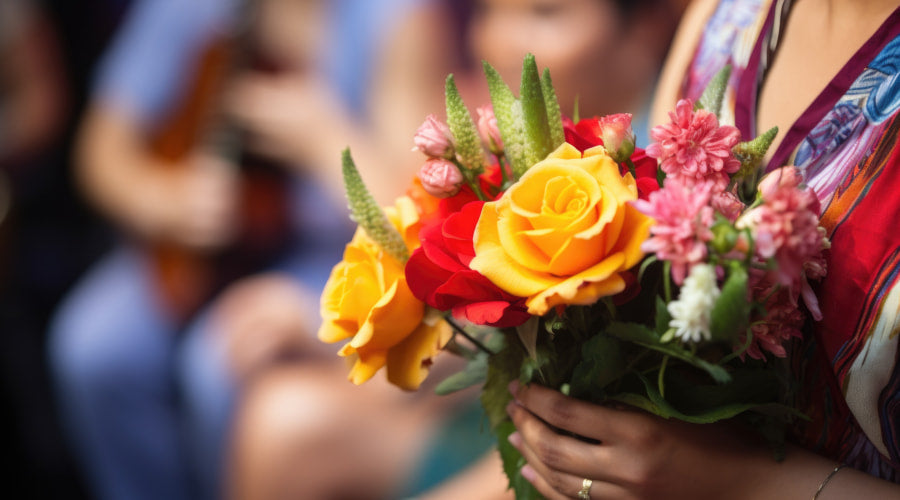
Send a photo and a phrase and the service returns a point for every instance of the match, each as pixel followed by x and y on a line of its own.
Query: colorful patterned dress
pixel 846 145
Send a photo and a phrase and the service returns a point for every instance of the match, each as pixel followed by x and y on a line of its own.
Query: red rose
pixel 438 274
pixel 645 169
pixel 583 135
pixel 587 133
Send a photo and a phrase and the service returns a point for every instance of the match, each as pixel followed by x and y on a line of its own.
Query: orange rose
pixel 564 232
pixel 368 301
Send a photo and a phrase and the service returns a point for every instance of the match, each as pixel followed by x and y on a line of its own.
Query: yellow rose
pixel 564 232
pixel 368 301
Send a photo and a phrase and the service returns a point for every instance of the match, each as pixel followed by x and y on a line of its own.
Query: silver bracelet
pixel 827 478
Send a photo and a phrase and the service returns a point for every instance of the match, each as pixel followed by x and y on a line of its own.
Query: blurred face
pixel 576 39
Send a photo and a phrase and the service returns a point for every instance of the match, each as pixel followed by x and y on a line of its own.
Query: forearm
pixel 111 162
pixel 802 472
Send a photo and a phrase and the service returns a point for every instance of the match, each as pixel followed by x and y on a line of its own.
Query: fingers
pixel 567 486
pixel 554 454
pixel 569 414
pixel 211 201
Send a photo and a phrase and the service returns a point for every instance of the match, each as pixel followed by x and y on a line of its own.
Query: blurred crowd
pixel 171 204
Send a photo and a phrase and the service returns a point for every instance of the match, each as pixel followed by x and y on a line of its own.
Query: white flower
pixel 692 311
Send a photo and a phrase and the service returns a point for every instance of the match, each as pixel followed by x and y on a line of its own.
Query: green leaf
pixel 366 212
pixel 632 332
pixel 475 372
pixel 467 142
pixel 504 366
pixel 510 120
pixel 554 114
pixel 601 364
pixel 658 405
pixel 644 336
pixel 662 316
pixel 534 111
pixel 512 464
pixel 528 333
pixel 731 312
pixel 751 153
pixel 713 95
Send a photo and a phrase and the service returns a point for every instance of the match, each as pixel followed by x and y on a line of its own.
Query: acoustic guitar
pixel 187 278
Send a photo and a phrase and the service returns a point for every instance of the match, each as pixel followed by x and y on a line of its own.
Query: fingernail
pixel 511 408
pixel 528 473
pixel 515 439
pixel 513 387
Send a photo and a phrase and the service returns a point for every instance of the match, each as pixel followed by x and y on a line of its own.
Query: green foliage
pixel 508 112
pixel 655 403
pixel 534 112
pixel 662 316
pixel 751 155
pixel 504 366
pixel 731 312
pixel 714 93
pixel 474 373
pixel 531 125
pixel 469 150
pixel 512 464
pixel 601 364
pixel 554 115
pixel 645 337
pixel 366 212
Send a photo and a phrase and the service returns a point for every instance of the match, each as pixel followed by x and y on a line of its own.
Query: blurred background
pixel 112 115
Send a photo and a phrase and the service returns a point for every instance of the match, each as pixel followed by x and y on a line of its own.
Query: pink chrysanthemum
pixel 693 146
pixel 683 219
pixel 786 228
pixel 783 321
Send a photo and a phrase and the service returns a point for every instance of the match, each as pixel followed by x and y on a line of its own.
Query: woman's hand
pixel 629 454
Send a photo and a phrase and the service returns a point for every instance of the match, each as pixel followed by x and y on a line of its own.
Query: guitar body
pixel 186 278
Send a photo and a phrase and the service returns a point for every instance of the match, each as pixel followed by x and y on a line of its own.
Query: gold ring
pixel 585 492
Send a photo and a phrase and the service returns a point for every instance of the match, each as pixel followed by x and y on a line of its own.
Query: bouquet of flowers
pixel 552 250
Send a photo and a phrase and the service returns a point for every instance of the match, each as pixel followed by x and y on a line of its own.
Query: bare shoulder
pixel 680 53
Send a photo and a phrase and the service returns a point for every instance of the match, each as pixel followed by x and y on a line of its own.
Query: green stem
pixel 504 178
pixel 471 180
pixel 667 280
pixel 631 167
pixel 660 382
pixel 458 329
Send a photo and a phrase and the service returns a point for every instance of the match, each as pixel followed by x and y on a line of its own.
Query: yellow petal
pixel 408 362
pixel 492 261
pixel 397 313
pixel 636 230
pixel 367 364
pixel 607 174
pixel 592 280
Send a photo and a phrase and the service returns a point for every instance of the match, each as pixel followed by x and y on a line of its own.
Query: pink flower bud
pixel 440 178
pixel 434 138
pixel 617 135
pixel 487 128
pixel 727 204
pixel 785 177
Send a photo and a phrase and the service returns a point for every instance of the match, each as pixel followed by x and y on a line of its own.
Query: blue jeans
pixel 147 407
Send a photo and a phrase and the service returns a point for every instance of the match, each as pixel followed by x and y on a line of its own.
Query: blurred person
pixel 604 55
pixel 147 384
pixel 609 64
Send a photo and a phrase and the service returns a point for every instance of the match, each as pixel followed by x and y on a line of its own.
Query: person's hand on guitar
pixel 193 204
